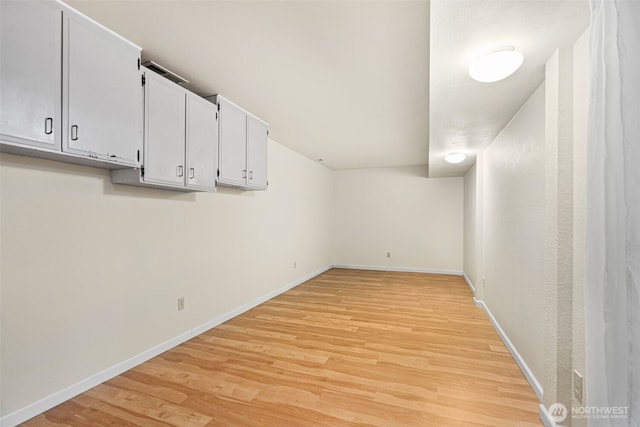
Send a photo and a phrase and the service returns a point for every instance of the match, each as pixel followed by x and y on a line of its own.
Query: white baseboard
pixel 38 407
pixel 533 382
pixel 473 288
pixel 399 269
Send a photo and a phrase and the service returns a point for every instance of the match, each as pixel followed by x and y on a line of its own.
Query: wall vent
pixel 157 68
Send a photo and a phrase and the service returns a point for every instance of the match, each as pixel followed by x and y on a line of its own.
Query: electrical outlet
pixel 388 254
pixel 577 386
pixel 180 303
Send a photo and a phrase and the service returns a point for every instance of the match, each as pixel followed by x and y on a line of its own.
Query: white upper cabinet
pixel 71 89
pixel 201 143
pixel 102 84
pixel 180 139
pixel 257 140
pixel 232 163
pixel 30 76
pixel 243 141
pixel 164 131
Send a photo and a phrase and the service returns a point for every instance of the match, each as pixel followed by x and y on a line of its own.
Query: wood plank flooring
pixel 348 348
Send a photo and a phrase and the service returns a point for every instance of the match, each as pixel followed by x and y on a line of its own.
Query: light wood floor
pixel 348 348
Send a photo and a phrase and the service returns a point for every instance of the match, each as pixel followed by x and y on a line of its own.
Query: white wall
pixel 469 246
pixel 91 271
pixel 398 210
pixel 558 263
pixel 529 195
pixel 581 82
pixel 514 200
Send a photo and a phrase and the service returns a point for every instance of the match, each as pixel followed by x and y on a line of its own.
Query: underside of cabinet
pixel 134 177
pixel 11 148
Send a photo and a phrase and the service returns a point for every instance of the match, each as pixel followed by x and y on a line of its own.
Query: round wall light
pixel 496 65
pixel 454 157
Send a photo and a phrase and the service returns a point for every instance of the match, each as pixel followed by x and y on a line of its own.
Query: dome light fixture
pixel 454 157
pixel 496 65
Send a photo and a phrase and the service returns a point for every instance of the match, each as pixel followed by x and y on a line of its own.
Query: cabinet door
pixel 232 153
pixel 164 131
pixel 30 62
pixel 103 92
pixel 257 141
pixel 202 143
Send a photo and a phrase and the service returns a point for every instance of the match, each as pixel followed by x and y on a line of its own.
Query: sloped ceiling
pixel 343 81
pixel 349 81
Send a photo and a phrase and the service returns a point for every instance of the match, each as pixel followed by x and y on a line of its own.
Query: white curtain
pixel 612 279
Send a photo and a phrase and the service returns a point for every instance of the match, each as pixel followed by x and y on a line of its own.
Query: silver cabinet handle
pixel 250 174
pixel 180 171
pixel 48 125
pixel 192 173
pixel 244 173
pixel 74 132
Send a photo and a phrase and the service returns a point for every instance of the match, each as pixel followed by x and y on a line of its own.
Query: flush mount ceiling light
pixel 496 65
pixel 454 157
